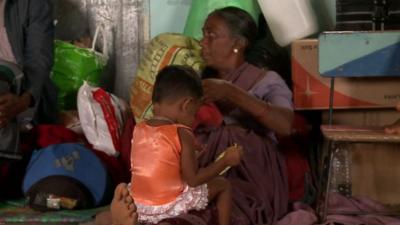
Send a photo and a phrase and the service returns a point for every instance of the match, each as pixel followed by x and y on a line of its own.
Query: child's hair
pixel 176 81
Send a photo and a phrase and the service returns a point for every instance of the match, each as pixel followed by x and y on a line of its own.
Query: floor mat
pixel 17 211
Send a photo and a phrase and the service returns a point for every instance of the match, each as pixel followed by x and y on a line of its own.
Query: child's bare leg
pixel 220 188
pixel 123 208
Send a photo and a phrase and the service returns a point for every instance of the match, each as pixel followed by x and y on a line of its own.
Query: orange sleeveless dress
pixel 156 184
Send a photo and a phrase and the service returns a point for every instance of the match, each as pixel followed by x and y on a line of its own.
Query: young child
pixel 166 180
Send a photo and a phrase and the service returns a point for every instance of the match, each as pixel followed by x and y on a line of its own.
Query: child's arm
pixel 191 173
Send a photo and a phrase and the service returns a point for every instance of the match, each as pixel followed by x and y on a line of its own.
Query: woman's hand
pixel 11 105
pixel 215 89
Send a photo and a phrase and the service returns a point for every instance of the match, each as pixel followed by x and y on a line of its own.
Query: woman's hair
pixel 239 22
pixel 176 81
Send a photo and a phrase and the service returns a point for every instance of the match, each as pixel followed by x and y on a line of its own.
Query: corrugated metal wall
pixel 127 32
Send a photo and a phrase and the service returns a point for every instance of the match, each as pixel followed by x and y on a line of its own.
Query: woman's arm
pixel 278 119
pixel 191 173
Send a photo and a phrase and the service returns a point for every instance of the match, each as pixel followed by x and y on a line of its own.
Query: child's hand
pixel 233 155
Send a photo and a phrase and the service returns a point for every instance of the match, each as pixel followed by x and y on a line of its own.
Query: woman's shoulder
pixel 271 78
pixel 273 88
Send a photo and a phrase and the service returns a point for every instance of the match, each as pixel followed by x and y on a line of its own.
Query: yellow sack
pixel 165 49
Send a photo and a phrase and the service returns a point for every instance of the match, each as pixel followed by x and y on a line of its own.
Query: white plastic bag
pixel 102 117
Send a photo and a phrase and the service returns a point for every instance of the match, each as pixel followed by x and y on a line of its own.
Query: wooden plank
pixel 346 133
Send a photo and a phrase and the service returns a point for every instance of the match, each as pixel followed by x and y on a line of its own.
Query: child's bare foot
pixel 123 209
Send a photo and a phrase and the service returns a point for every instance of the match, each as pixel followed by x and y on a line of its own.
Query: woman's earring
pixel 235 50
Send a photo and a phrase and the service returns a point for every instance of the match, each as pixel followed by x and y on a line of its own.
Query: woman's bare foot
pixel 123 209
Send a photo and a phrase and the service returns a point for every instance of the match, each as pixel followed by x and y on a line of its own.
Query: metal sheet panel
pixel 127 32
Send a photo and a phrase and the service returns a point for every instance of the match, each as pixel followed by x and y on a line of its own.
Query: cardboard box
pixel 311 91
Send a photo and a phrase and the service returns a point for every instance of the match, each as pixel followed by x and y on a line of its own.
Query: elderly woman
pixel 256 105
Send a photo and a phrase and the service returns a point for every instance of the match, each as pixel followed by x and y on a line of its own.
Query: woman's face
pixel 217 44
